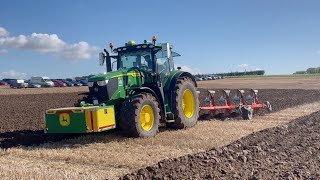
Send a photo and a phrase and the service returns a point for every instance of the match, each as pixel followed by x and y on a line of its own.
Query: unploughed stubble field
pixel 28 153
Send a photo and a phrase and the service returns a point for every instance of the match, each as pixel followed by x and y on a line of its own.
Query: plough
pixel 245 103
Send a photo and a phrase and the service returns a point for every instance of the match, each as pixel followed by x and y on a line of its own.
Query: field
pixel 283 144
pixel 281 82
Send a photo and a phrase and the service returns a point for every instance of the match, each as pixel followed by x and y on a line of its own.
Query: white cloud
pixel 13 74
pixel 243 65
pixel 49 44
pixel 3 51
pixel 3 32
pixel 188 69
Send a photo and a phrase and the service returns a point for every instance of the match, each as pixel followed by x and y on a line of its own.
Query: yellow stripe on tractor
pixel 134 74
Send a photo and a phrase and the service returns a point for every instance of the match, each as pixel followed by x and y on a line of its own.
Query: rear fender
pixel 170 84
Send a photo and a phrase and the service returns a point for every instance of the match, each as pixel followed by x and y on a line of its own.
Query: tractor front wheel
pixel 140 115
pixel 185 106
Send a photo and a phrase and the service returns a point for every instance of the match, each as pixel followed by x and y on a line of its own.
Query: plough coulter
pixel 232 103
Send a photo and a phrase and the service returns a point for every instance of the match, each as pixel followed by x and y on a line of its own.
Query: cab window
pixel 140 59
pixel 162 63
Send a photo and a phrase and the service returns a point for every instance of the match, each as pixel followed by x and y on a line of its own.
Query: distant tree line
pixel 244 73
pixel 309 71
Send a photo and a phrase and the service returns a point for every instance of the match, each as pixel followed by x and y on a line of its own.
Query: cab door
pixel 164 62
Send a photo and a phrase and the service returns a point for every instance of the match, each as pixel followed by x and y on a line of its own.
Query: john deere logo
pixel 64 119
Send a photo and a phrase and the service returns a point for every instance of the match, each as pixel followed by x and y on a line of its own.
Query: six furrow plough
pixel 232 102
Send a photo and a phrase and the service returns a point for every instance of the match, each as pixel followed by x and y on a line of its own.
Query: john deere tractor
pixel 141 91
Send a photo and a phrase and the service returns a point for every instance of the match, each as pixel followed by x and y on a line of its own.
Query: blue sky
pixel 61 38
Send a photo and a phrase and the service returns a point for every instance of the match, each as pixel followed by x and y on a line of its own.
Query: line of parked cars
pixel 37 82
pixel 207 77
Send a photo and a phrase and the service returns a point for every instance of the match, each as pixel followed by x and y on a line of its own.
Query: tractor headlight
pixel 102 83
pixel 90 84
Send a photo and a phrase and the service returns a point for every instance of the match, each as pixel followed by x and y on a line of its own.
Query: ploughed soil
pixel 290 151
pixel 6 90
pixel 290 82
pixel 22 116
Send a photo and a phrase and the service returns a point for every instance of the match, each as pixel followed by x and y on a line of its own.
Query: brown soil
pixel 21 117
pixel 287 152
pixel 263 83
pixel 279 98
pixel 6 90
pixel 21 121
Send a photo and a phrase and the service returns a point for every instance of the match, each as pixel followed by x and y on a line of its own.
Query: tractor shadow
pixel 38 139
pixel 234 116
pixel 25 138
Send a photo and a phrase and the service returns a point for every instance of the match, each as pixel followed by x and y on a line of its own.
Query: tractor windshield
pixel 139 58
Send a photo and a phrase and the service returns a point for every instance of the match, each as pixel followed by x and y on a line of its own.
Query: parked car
pixel 199 79
pixel 18 83
pixel 58 83
pixel 69 84
pixel 83 82
pixel 7 80
pixel 3 83
pixel 75 83
pixel 215 77
pixel 33 85
pixel 43 81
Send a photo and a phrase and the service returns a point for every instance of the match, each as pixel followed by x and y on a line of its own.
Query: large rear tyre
pixel 140 116
pixel 185 106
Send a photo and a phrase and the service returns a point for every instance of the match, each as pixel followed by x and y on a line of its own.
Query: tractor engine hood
pixel 114 74
pixel 105 87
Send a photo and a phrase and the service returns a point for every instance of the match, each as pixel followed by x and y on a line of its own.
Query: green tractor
pixel 140 91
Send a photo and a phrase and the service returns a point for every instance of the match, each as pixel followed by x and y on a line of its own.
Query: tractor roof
pixel 129 47
pixel 132 46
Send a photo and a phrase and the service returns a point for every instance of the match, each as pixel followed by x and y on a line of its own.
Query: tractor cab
pixel 154 61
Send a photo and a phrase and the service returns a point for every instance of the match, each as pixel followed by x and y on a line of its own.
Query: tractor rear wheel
pixel 140 116
pixel 185 106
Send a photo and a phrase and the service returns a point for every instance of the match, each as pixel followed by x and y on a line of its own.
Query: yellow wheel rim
pixel 146 117
pixel 188 104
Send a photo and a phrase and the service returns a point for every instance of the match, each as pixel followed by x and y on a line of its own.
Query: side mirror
pixel 175 54
pixel 101 58
pixel 179 68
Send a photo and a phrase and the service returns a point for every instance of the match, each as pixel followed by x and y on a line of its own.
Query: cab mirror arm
pixel 108 60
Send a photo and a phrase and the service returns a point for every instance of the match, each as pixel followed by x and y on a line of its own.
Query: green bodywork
pixel 120 93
